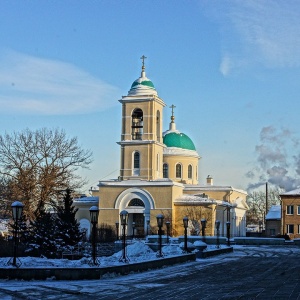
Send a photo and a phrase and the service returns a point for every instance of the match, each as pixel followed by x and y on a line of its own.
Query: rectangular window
pixel 289 228
pixel 298 228
pixel 298 209
pixel 290 209
pixel 165 171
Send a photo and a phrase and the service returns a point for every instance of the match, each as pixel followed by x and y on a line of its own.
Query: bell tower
pixel 141 136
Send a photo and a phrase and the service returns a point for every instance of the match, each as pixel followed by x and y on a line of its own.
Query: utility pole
pixel 266 198
pixel 266 204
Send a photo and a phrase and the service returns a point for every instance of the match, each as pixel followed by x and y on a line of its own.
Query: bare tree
pixel 257 204
pixel 40 164
pixel 195 213
pixel 5 197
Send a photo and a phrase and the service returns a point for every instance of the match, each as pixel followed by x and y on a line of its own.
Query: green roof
pixel 178 140
pixel 145 82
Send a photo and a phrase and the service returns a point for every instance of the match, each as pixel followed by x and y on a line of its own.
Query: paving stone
pixel 273 274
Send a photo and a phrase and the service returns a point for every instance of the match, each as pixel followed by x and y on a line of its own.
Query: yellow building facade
pixel 159 175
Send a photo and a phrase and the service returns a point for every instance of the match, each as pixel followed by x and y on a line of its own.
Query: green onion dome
pixel 179 140
pixel 142 86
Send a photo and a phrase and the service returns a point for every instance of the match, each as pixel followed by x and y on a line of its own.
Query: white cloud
pixel 226 65
pixel 258 32
pixel 32 85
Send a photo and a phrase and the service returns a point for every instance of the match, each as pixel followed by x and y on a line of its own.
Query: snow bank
pixel 136 252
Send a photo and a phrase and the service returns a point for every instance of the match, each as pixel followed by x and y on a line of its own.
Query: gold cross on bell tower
pixel 143 61
pixel 172 117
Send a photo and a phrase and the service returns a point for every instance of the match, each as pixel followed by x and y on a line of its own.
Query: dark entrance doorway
pixel 139 225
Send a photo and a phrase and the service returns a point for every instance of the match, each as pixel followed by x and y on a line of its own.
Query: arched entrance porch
pixel 138 203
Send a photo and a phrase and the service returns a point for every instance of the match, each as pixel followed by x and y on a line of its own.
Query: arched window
pixel 178 171
pixel 137 124
pixel 165 171
pixel 190 172
pixel 136 163
pixel 136 202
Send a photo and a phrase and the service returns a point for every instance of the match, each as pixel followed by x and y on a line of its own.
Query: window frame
pixel 136 202
pixel 135 169
pixel 290 210
pixel 177 171
pixel 165 170
pixel 288 227
pixel 190 172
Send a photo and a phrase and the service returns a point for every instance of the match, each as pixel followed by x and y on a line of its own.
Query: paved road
pixel 248 273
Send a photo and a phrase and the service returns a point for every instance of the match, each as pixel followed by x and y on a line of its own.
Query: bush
pixel 106 233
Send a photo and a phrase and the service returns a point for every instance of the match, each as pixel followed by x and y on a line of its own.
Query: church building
pixel 159 175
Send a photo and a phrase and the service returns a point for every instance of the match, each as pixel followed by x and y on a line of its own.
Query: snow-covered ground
pixel 164 283
pixel 136 252
pixel 139 252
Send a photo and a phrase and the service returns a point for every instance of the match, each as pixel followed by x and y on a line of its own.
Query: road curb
pixel 92 272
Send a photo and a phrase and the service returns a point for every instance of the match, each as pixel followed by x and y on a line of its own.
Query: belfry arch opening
pixel 137 124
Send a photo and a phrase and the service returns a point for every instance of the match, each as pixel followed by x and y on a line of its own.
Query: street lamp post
pixel 94 213
pixel 160 221
pixel 203 225
pixel 17 209
pixel 218 233
pixel 124 218
pixel 185 225
pixel 228 233
pixel 133 228
pixel 168 224
pixel 117 229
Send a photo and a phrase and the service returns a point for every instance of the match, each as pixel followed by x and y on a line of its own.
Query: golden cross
pixel 143 58
pixel 172 106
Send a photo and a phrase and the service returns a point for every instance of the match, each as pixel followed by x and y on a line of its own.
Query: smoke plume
pixel 278 160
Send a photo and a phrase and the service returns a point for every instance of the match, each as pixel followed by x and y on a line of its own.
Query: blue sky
pixel 230 67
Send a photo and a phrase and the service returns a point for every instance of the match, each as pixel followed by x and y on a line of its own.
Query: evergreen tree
pixel 42 236
pixel 68 232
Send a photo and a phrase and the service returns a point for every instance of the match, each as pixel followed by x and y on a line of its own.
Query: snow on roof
pixel 199 200
pixel 139 182
pixel 212 188
pixel 295 192
pixel 225 203
pixel 274 213
pixel 172 151
pixel 193 199
pixel 87 199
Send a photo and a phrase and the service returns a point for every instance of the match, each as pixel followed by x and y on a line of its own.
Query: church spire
pixel 143 66
pixel 172 124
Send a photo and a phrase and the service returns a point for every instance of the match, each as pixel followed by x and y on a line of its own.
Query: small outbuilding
pixel 273 221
